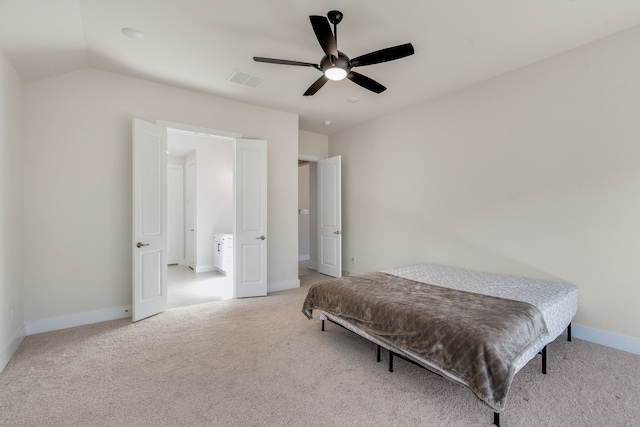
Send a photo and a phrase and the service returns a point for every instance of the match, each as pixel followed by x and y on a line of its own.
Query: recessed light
pixel 132 33
pixel 353 100
pixel 327 122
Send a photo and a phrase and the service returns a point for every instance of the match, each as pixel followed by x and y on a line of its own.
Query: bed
pixel 475 328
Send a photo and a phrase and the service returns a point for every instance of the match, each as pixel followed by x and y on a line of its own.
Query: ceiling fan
pixel 335 65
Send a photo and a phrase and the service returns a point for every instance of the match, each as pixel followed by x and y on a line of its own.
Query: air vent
pixel 246 79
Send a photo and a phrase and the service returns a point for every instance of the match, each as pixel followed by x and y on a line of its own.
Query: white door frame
pixel 175 223
pixel 197 129
pixel 313 263
pixel 190 213
pixel 316 159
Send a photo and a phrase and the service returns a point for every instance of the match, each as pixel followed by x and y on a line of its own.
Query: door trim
pixel 198 130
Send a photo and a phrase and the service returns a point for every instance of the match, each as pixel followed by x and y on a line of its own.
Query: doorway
pixel 307 217
pixel 199 205
pixel 149 237
pixel 319 224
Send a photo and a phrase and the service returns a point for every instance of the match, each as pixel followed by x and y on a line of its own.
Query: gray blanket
pixel 471 336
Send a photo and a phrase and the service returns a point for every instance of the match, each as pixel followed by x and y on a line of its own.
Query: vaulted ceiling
pixel 199 44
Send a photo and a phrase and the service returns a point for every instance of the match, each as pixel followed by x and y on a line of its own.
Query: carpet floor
pixel 260 362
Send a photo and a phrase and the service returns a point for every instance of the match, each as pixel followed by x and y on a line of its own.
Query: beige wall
pixel 78 183
pixel 313 144
pixel 533 173
pixel 11 211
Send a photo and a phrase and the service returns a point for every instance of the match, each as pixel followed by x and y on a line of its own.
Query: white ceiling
pixel 197 44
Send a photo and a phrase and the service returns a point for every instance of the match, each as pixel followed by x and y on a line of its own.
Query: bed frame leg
pixel 544 360
pixel 569 332
pixel 378 358
pixel 496 419
pixel 322 325
pixel 390 361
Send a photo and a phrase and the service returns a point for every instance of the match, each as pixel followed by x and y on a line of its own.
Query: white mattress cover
pixel 557 301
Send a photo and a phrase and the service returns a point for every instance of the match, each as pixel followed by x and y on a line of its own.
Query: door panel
pixel 250 210
pixel 251 271
pixel 175 214
pixel 151 275
pixel 149 219
pixel 190 215
pixel 330 217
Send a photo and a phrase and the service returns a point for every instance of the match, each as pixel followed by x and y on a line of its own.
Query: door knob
pixel 260 238
pixel 337 232
pixel 140 244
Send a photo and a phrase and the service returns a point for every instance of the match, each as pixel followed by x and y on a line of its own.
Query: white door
pixel 250 212
pixel 329 217
pixel 149 219
pixel 175 214
pixel 190 215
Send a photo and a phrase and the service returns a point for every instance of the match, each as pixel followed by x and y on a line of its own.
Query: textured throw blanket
pixel 470 336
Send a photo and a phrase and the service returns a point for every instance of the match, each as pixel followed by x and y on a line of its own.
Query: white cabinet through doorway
pixel 223 252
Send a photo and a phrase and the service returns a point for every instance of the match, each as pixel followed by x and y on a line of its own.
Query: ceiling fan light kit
pixel 335 65
pixel 335 73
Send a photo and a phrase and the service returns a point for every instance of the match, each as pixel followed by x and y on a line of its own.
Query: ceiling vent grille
pixel 245 79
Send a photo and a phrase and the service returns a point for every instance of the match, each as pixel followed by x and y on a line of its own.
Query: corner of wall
pixel 282 286
pixel 608 339
pixel 12 346
pixel 12 329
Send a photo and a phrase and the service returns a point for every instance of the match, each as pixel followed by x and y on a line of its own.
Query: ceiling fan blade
pixel 324 35
pixel 383 55
pixel 316 86
pixel 366 82
pixel 285 62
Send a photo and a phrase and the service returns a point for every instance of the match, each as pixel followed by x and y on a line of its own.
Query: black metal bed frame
pixel 496 415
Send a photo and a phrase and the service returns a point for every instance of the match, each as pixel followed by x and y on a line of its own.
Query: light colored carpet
pixel 260 362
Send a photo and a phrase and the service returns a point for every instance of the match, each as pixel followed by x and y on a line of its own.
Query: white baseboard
pixel 306 257
pixel 205 268
pixel 281 286
pixel 78 319
pixel 620 342
pixel 7 352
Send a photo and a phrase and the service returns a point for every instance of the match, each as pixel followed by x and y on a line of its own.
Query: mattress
pixel 557 301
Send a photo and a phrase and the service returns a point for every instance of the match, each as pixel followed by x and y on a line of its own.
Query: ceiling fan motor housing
pixel 342 61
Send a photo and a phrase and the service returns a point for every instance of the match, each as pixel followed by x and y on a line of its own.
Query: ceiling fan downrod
pixel 335 17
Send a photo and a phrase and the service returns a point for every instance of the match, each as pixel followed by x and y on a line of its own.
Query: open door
pixel 250 212
pixel 329 217
pixel 149 219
